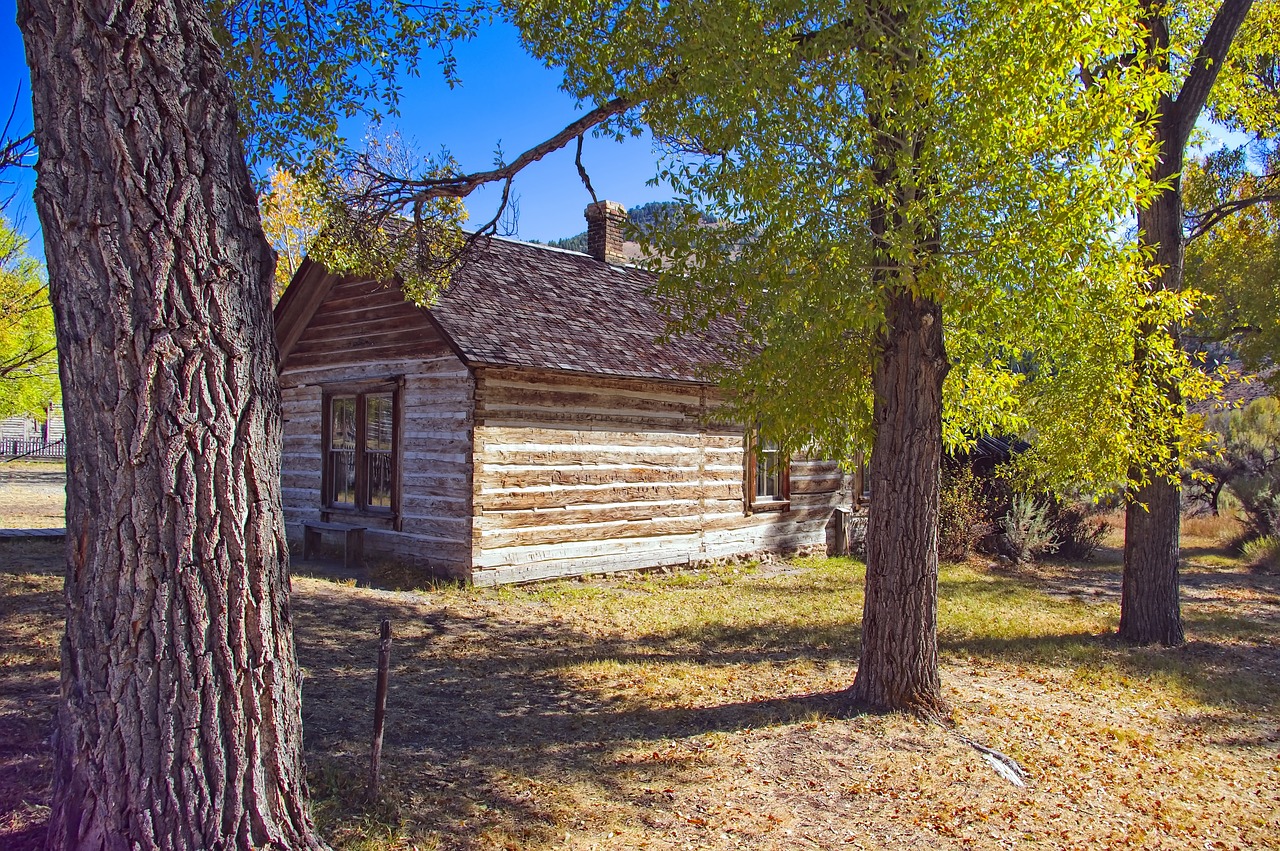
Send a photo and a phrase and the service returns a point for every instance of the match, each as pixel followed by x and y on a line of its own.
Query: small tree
pixel 1209 55
pixel 28 350
pixel 292 213
pixel 1249 462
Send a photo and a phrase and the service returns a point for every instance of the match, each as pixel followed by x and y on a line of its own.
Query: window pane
pixel 342 422
pixel 342 477
pixel 768 471
pixel 378 422
pixel 379 478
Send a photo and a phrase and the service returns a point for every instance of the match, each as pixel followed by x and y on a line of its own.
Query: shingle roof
pixel 1238 391
pixel 516 304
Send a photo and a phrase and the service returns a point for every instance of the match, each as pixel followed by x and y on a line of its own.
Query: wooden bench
pixel 352 542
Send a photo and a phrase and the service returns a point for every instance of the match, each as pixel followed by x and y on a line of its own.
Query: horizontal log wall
pixel 365 331
pixel 581 475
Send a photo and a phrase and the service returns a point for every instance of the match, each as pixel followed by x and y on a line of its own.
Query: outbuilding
pixel 534 422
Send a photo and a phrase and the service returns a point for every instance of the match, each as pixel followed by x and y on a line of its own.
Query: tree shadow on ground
pixel 500 725
pixel 504 718
pixel 30 606
pixel 494 724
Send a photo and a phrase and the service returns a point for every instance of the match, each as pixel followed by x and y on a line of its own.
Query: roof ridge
pixel 545 247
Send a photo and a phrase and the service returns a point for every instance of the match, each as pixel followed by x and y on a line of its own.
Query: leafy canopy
pixel 1246 95
pixel 292 213
pixel 1237 261
pixel 965 131
pixel 28 356
pixel 299 67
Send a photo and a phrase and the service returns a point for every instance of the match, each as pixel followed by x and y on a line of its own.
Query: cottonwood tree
pixel 917 206
pixel 179 722
pixel 1189 45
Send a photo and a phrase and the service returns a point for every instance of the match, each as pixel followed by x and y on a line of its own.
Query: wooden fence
pixel 15 449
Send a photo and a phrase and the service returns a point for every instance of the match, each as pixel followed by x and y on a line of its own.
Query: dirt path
pixel 1207 578
pixel 32 495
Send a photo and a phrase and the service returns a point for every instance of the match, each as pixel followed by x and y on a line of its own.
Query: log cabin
pixel 532 423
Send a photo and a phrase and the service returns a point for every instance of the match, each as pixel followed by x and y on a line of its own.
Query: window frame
pixel 754 503
pixel 361 510
pixel 862 481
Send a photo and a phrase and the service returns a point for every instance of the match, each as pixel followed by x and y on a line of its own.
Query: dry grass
pixel 1220 529
pixel 32 494
pixel 700 710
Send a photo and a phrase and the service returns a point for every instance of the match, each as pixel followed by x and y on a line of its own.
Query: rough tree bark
pixel 1150 611
pixel 180 721
pixel 898 668
pixel 1149 607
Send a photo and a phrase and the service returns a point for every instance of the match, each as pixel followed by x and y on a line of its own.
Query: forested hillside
pixel 643 217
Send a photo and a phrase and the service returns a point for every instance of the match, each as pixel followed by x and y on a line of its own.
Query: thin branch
pixel 28 358
pixel 582 172
pixel 1090 78
pixel 490 227
pixel 16 151
pixel 1202 222
pixel 805 39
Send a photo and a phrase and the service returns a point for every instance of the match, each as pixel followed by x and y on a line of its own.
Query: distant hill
pixel 644 217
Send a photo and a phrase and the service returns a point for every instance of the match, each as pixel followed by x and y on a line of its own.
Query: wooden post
pixel 380 707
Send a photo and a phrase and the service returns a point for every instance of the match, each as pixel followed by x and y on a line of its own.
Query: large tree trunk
pixel 180 722
pixel 898 668
pixel 1149 606
pixel 899 664
pixel 1149 609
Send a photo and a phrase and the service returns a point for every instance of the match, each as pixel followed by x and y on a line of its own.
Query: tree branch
pixel 462 185
pixel 1202 222
pixel 1204 70
pixel 14 152
pixel 582 173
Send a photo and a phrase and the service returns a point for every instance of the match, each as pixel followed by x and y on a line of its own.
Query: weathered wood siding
pixel 580 475
pixel 364 331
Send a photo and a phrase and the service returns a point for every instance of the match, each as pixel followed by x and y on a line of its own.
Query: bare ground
pixel 700 710
pixel 32 494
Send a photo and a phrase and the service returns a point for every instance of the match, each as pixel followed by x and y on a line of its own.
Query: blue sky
pixel 505 96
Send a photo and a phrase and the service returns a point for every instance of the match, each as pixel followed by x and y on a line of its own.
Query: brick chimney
pixel 604 231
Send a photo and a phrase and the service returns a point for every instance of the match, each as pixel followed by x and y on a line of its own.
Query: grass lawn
pixel 696 710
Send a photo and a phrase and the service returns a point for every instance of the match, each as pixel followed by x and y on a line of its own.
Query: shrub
pixel 1077 528
pixel 1263 554
pixel 962 513
pixel 1247 463
pixel 1026 529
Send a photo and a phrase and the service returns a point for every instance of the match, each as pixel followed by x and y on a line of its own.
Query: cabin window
pixel 862 480
pixel 360 442
pixel 768 484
